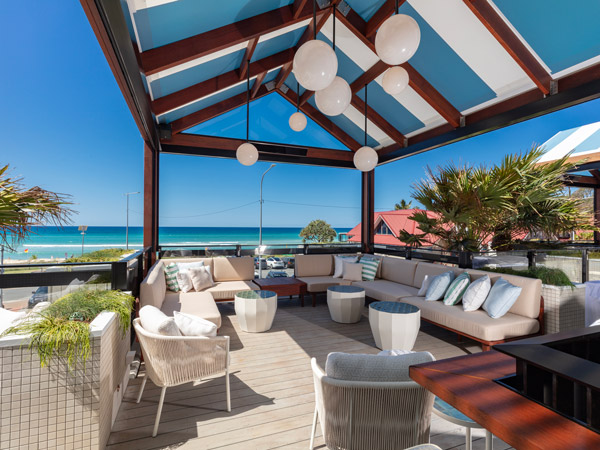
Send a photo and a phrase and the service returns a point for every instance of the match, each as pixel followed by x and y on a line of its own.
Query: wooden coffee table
pixel 283 286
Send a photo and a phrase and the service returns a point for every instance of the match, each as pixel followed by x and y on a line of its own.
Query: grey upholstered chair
pixel 368 401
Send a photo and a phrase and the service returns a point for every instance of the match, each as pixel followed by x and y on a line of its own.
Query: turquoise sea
pixel 48 242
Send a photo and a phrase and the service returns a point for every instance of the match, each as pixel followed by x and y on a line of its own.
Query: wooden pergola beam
pixel 298 6
pixel 322 120
pixel 283 74
pixel 183 97
pixel 374 71
pixel 581 180
pixel 379 121
pixel 247 57
pixel 383 13
pixel 511 43
pixel 195 118
pixel 257 84
pixel 170 55
pixel 357 25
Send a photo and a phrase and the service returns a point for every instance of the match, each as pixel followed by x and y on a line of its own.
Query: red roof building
pixel 388 225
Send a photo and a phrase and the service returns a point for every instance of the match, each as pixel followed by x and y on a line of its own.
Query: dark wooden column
pixel 150 199
pixel 596 215
pixel 368 212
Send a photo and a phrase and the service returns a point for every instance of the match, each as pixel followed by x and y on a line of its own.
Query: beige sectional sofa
pixel 231 275
pixel 317 272
pixel 399 280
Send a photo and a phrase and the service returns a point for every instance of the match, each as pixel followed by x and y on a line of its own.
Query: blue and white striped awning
pixel 583 143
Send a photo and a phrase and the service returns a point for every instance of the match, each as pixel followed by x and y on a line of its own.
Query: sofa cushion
pixel 439 285
pixel 501 297
pixel 384 290
pixel 370 267
pixel 399 270
pixel 201 278
pixel 457 288
pixel 313 265
pixel 375 368
pixel 233 269
pixel 184 281
pixel 199 304
pixel 352 271
pixel 154 286
pixel 171 271
pixel 425 285
pixel 339 264
pixel 191 325
pixel 528 302
pixel 477 323
pixel 320 284
pixel 226 290
pixel 424 268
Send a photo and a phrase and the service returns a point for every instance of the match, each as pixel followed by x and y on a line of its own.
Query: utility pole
pixel 127 194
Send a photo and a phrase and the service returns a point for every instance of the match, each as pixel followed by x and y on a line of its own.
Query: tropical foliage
pixel 476 205
pixel 63 328
pixel 23 208
pixel 318 231
pixel 403 205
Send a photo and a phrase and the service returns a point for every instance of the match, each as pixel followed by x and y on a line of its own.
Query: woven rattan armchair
pixel 360 415
pixel 175 360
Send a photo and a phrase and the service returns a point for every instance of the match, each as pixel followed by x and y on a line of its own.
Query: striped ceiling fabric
pixel 473 54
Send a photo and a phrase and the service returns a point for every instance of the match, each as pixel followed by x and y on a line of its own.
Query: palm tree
pixel 403 205
pixel 21 209
pixel 474 205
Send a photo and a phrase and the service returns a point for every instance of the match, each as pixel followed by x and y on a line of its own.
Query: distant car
pixel 275 263
pixel 39 295
pixel 289 262
pixel 263 264
pixel 276 274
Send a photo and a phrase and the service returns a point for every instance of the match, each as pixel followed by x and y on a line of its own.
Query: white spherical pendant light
pixel 365 159
pixel 395 80
pixel 335 98
pixel 397 39
pixel 297 121
pixel 247 154
pixel 315 65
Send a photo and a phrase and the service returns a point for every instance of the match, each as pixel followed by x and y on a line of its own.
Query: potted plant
pixel 67 366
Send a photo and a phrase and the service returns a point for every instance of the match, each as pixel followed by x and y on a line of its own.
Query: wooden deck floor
pixel 271 388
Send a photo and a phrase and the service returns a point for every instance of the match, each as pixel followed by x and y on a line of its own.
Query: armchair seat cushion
pixel 199 304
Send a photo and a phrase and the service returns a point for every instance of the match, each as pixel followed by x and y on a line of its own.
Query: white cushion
pixel 339 264
pixel 155 321
pixel 184 281
pixel 190 325
pixel 185 266
pixel 201 278
pixel 353 271
pixel 425 285
pixel 10 318
pixel 476 293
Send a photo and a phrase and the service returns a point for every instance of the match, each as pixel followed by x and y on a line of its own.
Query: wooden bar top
pixel 466 382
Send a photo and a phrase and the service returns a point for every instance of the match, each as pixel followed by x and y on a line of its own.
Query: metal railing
pixel 178 251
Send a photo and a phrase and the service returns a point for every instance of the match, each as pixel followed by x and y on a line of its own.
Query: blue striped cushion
pixel 171 271
pixel 370 266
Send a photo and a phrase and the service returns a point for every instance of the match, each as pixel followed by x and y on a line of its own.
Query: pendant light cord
pixel 297 96
pixel 397 12
pixel 248 103
pixel 366 85
pixel 333 27
pixel 315 19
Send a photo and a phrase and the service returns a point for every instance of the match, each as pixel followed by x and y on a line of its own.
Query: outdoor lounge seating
pixel 369 401
pixel 231 275
pixel 174 360
pixel 317 272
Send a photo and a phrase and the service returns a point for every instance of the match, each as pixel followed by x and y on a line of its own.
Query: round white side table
pixel 255 310
pixel 453 415
pixel 345 303
pixel 394 325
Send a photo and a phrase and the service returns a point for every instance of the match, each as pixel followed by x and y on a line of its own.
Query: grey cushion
pixel 376 368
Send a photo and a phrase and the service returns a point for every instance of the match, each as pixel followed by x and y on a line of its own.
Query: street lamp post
pixel 127 194
pixel 1 272
pixel 260 250
pixel 83 229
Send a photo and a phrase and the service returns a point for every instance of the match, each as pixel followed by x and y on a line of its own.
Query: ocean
pixel 53 242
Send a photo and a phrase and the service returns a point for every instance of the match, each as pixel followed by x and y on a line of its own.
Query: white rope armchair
pixel 175 360
pixel 361 415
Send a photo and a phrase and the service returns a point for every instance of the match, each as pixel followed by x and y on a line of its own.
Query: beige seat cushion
pixel 199 304
pixel 320 284
pixel 313 265
pixel 476 323
pixel 384 290
pixel 233 269
pixel 399 270
pixel 226 290
pixel 152 289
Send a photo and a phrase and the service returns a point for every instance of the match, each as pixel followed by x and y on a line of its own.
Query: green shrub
pixel 554 277
pixel 106 254
pixel 63 328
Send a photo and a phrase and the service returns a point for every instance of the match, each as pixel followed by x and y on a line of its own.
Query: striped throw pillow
pixel 456 289
pixel 369 268
pixel 171 277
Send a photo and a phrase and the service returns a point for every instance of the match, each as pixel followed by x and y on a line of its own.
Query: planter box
pixel 564 307
pixel 53 407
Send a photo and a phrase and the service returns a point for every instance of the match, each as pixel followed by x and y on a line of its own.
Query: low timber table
pixel 283 286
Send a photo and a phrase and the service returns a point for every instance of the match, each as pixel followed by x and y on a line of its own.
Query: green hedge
pixel 554 277
pixel 107 254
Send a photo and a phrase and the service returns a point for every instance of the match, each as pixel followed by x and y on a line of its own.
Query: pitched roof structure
pixel 480 65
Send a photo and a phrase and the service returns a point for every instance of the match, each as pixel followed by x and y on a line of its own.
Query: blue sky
pixel 66 127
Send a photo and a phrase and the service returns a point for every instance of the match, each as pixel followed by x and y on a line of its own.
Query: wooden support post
pixel 151 200
pixel 596 215
pixel 368 212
